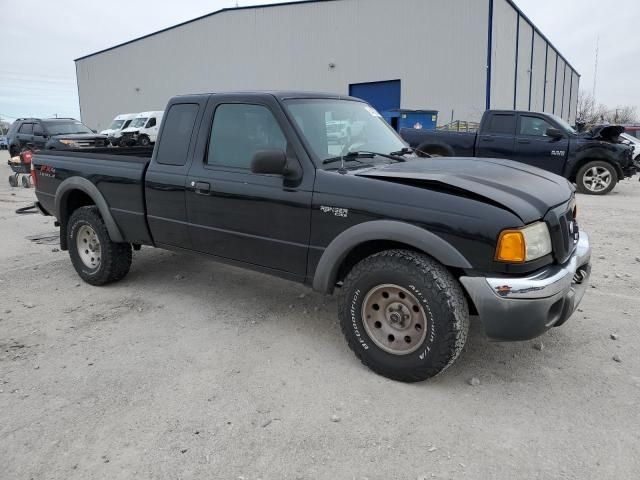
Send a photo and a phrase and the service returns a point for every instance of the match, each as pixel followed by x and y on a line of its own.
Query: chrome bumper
pixel 524 307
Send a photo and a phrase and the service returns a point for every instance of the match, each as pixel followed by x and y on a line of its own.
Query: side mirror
pixel 94 131
pixel 269 162
pixel 554 133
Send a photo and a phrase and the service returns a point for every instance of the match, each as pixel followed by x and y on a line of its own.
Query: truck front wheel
pixel 596 178
pixel 144 141
pixel 96 258
pixel 404 315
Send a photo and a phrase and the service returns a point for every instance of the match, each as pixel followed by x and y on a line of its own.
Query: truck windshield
pixel 138 122
pixel 564 125
pixel 116 125
pixel 337 127
pixel 65 128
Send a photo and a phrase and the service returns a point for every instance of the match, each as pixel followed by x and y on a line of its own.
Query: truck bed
pixel 118 174
pixel 460 144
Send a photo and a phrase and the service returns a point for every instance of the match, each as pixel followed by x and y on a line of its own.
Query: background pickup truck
pixel 595 160
pixel 414 246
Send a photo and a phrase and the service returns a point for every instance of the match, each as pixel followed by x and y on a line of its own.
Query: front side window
pixel 116 125
pixel 533 126
pixel 337 127
pixel 239 131
pixel 138 122
pixel 152 122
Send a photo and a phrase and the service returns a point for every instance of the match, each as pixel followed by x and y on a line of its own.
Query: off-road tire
pixel 580 177
pixel 440 296
pixel 115 258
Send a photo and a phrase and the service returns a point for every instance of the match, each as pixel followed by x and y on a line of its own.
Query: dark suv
pixel 51 134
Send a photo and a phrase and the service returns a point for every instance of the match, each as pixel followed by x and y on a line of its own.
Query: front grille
pixel 563 230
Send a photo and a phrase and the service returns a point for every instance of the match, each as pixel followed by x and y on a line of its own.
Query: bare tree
pixel 591 113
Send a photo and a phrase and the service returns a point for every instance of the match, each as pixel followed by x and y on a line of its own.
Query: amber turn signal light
pixel 511 247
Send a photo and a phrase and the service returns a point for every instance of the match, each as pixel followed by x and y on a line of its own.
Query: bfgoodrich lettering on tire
pixel 95 257
pixel 404 315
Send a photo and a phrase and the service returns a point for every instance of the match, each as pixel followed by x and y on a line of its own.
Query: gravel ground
pixel 191 369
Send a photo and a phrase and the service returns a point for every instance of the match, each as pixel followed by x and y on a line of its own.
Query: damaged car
pixel 595 161
pixel 411 246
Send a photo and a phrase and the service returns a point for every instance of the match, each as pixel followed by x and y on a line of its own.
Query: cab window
pixel 26 128
pixel 533 126
pixel 503 124
pixel 239 131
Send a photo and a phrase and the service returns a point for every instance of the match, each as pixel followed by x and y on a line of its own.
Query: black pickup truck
pixel 413 246
pixel 595 161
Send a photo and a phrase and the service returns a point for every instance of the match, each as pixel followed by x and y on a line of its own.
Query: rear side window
pixel 176 134
pixel 502 124
pixel 26 128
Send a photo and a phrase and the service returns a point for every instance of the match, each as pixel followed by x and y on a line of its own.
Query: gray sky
pixel 38 78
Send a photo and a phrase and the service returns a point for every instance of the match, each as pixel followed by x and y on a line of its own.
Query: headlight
pixel 524 244
pixel 68 142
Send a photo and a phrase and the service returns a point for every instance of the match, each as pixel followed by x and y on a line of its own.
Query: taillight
pixel 34 177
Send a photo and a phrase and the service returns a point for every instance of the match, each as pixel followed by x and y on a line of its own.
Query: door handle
pixel 487 139
pixel 524 141
pixel 201 188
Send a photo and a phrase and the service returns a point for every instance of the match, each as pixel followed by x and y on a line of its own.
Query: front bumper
pixel 522 308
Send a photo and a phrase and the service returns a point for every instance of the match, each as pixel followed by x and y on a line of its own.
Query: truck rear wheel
pixel 404 315
pixel 596 178
pixel 96 258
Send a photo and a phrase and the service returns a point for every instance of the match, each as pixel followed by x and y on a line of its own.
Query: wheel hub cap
pixel 394 319
pixel 88 246
pixel 597 179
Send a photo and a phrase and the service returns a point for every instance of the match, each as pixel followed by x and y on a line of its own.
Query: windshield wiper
pixel 351 156
pixel 408 150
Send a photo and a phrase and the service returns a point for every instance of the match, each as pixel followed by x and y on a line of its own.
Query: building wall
pixel 505 21
pixel 537 75
pixel 432 47
pixel 524 66
pixel 552 59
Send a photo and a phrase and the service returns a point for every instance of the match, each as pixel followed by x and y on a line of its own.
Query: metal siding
pixel 503 55
pixel 567 92
pixel 559 85
pixel 291 47
pixel 551 75
pixel 524 66
pixel 574 98
pixel 537 78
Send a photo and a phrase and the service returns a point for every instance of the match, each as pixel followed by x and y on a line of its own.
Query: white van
pixel 114 132
pixel 143 130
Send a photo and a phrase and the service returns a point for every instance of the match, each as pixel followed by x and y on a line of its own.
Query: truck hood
pixel 606 133
pixel 528 192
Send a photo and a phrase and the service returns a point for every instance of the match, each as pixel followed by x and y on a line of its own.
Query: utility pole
pixel 595 69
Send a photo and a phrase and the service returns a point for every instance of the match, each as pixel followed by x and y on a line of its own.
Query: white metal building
pixel 455 56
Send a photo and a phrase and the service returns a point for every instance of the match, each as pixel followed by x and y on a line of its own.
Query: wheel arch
pixel 436 148
pixel 365 239
pixel 594 155
pixel 76 192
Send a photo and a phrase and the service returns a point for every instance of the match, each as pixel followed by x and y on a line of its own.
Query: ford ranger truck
pixel 411 246
pixel 595 160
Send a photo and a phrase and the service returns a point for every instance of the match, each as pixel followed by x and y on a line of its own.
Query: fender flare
pixel 327 270
pixel 78 183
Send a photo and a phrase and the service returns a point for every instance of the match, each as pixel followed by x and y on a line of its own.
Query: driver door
pixel 534 147
pixel 240 215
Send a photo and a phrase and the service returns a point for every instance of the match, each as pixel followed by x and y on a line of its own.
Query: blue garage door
pixel 382 96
